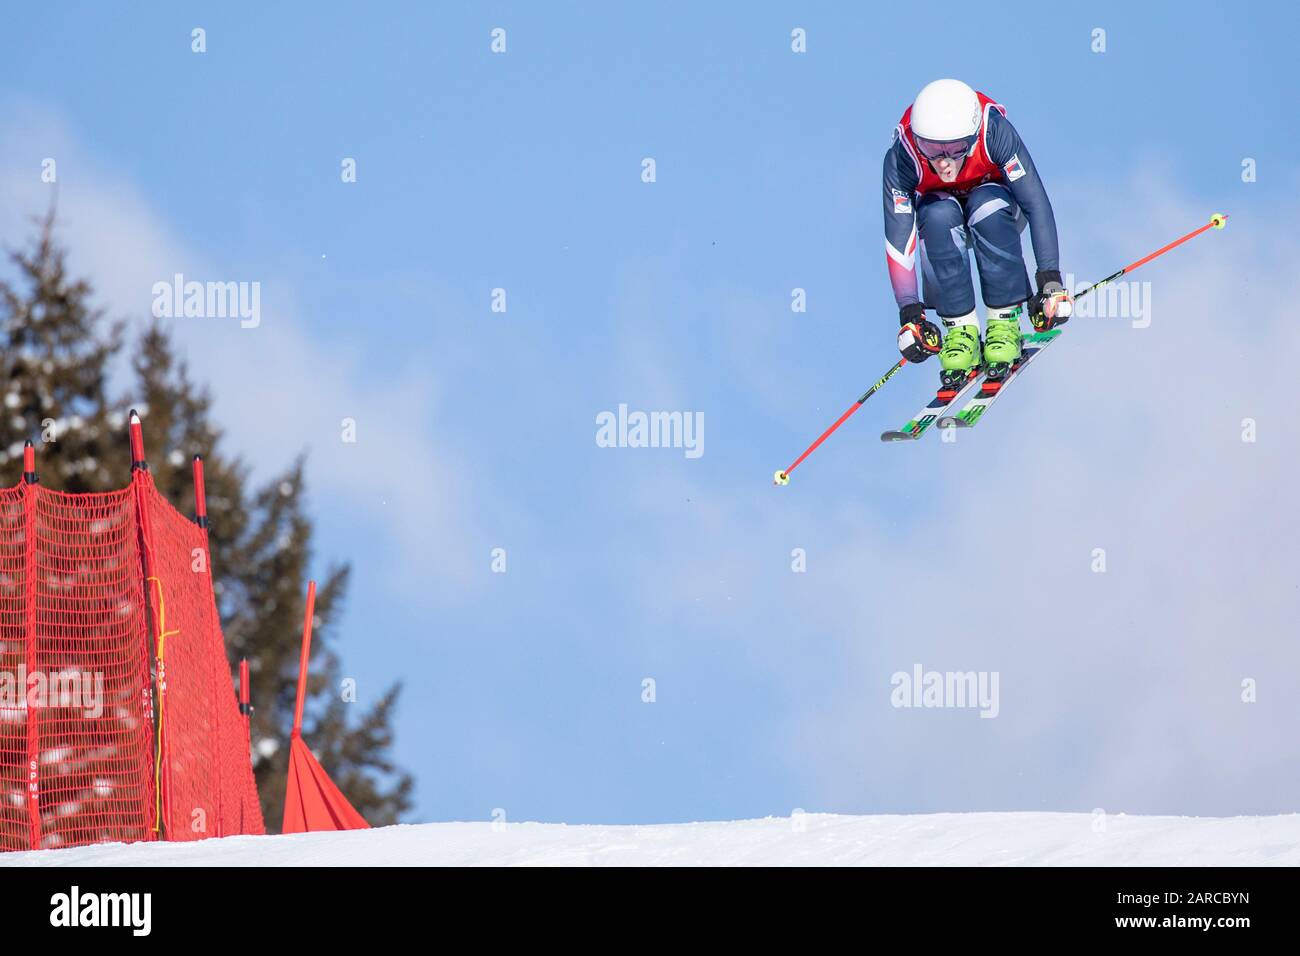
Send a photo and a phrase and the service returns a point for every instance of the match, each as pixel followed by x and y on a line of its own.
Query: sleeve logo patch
pixel 1014 169
pixel 902 204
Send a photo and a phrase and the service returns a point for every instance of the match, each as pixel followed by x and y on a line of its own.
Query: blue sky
pixel 522 171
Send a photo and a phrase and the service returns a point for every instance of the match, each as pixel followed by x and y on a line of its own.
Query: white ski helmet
pixel 944 111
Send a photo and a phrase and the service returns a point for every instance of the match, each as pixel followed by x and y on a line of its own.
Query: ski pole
pixel 783 477
pixel 1216 222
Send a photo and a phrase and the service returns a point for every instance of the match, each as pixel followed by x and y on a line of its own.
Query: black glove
pixel 1052 305
pixel 918 338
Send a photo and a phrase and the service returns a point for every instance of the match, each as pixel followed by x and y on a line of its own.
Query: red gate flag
pixel 312 801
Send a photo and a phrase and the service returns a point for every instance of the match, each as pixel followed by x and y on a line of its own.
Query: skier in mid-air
pixel 958 175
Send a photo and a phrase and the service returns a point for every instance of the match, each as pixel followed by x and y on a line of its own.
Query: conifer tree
pixel 58 352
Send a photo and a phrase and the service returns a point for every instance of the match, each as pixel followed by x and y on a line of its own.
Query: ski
pixel 927 416
pixel 1033 343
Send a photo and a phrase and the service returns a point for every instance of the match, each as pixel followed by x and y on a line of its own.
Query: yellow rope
pixel 163 634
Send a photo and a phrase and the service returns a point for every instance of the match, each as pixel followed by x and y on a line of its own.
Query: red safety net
pixel 209 790
pixel 98 741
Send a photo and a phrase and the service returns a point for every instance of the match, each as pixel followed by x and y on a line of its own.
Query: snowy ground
pixel 944 839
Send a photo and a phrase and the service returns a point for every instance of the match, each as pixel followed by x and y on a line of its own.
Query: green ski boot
pixel 959 359
pixel 1001 342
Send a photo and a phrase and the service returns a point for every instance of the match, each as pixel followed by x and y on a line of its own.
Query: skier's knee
pixel 939 215
pixel 994 215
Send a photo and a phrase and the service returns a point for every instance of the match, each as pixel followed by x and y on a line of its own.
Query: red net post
pixel 137 443
pixel 245 703
pixel 302 661
pixel 200 495
pixel 155 637
pixel 31 661
pixel 245 711
pixel 29 464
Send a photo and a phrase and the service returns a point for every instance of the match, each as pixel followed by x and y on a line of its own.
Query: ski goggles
pixel 948 149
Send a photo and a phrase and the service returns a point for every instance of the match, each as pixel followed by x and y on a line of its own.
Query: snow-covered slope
pixel 943 839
